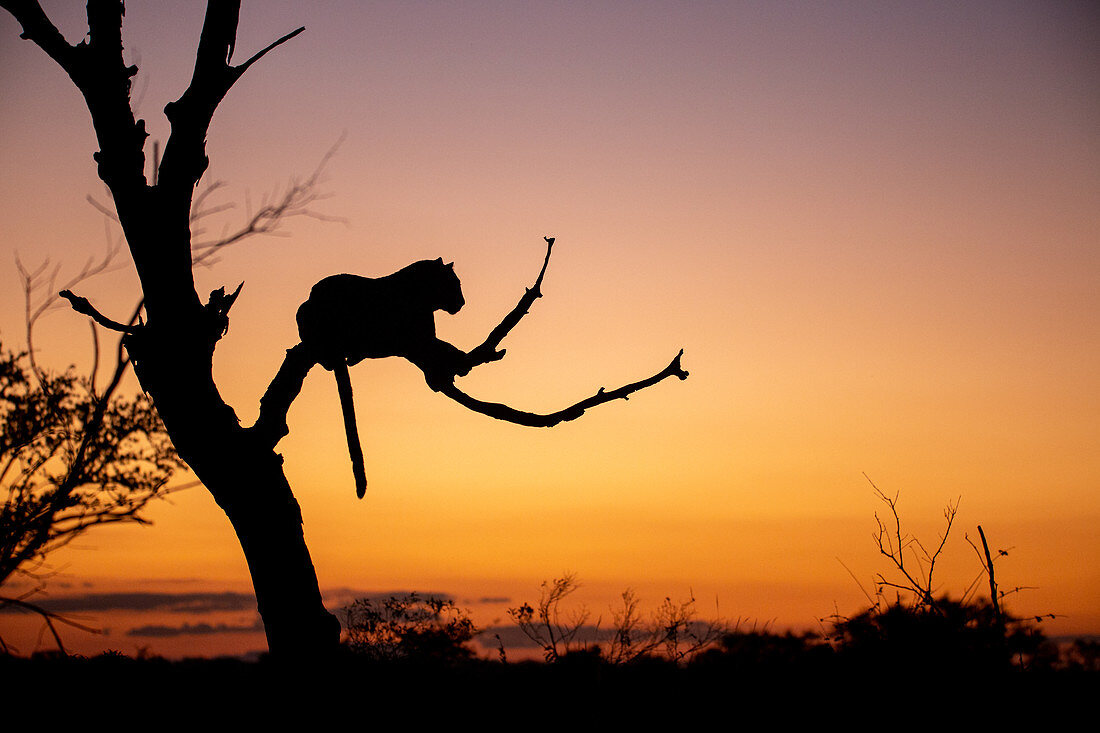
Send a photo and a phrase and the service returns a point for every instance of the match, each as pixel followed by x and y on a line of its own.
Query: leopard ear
pixel 449 264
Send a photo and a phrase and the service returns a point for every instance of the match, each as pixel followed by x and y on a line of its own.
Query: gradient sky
pixel 874 227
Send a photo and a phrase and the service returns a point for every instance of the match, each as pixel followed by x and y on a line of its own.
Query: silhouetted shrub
pixel 72 458
pixel 673 632
pixel 908 627
pixel 409 627
pixel 756 652
pixel 941 636
pixel 1081 656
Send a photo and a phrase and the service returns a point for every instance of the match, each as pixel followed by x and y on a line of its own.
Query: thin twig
pixel 49 617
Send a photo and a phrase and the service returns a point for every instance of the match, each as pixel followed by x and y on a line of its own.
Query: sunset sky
pixel 873 227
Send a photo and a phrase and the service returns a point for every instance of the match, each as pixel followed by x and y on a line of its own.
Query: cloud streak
pixel 192 603
pixel 201 629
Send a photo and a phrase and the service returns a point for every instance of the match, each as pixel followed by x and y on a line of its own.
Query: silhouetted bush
pixel 942 636
pixel 908 627
pixel 409 627
pixel 673 632
pixel 1083 655
pixel 757 652
pixel 72 458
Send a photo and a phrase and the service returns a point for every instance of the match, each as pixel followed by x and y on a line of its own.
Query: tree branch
pixel 38 29
pixel 239 70
pixel 535 420
pixel 185 159
pixel 49 617
pixel 81 305
pixel 487 351
pixel 993 597
pixel 97 69
pixel 275 209
pixel 270 426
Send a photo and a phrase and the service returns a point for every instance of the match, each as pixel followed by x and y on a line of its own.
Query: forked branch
pixel 893 544
pixel 487 351
pixel 185 158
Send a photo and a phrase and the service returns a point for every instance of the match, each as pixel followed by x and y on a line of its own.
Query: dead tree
pixel 75 454
pixel 172 348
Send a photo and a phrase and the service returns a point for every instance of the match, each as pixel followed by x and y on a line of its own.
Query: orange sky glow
pixel 874 228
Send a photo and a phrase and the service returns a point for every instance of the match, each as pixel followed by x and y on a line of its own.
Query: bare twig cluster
pixel 546 623
pixel 277 207
pixel 41 289
pixel 897 546
pixel 673 631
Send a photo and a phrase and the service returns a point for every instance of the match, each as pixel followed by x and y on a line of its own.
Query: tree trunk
pixel 270 531
pixel 245 476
